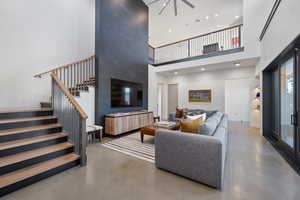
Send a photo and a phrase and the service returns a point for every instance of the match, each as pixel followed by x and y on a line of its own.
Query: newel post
pixel 82 142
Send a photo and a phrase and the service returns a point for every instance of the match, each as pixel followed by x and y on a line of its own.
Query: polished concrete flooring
pixel 254 171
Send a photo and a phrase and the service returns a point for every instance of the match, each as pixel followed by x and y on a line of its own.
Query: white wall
pixel 87 102
pixel 214 80
pixel 36 36
pixel 283 29
pixel 153 80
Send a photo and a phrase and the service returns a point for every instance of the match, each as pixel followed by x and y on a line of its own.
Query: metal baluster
pixel 78 74
pixel 80 77
pixel 83 71
pixel 60 72
pixel 240 35
pixel 89 69
pixel 71 76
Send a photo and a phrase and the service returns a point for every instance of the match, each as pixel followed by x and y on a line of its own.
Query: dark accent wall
pixel 121 50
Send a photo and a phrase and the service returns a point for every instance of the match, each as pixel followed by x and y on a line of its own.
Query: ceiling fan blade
pixel 152 2
pixel 188 3
pixel 175 7
pixel 166 5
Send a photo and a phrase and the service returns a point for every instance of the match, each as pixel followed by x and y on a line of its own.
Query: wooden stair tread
pixel 22 174
pixel 32 140
pixel 12 159
pixel 5 121
pixel 25 110
pixel 27 129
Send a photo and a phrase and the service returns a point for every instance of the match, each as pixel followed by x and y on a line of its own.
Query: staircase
pixel 33 146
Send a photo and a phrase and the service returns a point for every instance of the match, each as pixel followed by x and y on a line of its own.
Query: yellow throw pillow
pixel 190 126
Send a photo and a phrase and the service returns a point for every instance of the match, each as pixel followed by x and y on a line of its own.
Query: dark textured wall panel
pixel 121 50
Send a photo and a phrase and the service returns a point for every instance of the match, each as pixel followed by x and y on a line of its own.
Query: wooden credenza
pixel 118 123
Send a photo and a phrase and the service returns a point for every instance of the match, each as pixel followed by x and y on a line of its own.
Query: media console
pixel 118 123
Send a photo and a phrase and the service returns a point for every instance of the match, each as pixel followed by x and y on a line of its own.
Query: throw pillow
pixel 190 126
pixel 193 117
pixel 179 112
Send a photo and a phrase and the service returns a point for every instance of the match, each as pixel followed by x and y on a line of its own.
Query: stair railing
pixel 71 115
pixel 75 74
pixel 65 107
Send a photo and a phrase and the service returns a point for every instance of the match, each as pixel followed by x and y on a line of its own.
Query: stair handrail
pixel 63 66
pixel 69 96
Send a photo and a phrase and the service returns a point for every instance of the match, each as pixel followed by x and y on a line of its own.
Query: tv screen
pixel 126 94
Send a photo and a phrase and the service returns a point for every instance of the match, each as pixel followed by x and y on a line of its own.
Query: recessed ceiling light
pixel 237 16
pixel 170 30
pixel 202 69
pixel 175 73
pixel 237 64
pixel 207 17
pixel 164 4
pixel 216 15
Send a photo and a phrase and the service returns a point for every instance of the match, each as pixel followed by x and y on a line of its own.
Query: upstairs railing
pixel 214 43
pixel 69 113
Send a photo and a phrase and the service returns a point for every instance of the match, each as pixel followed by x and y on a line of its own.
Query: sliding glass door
pixel 287 103
pixel 281 105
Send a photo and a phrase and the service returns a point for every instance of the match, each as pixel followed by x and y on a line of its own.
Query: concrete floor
pixel 254 171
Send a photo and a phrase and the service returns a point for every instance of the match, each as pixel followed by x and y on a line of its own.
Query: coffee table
pixel 151 129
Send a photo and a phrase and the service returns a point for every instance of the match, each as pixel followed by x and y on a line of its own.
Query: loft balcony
pixel 221 42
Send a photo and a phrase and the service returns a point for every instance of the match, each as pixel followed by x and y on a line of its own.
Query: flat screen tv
pixel 126 94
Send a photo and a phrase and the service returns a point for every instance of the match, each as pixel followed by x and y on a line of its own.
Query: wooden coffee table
pixel 150 130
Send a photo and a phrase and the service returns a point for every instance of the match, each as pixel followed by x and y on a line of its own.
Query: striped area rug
pixel 132 145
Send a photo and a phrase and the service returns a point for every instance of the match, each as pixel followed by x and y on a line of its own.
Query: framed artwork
pixel 200 96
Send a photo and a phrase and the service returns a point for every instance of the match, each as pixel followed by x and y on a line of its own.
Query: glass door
pixel 287 103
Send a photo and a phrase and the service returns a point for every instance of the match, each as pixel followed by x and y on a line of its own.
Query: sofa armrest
pixel 172 116
pixel 197 157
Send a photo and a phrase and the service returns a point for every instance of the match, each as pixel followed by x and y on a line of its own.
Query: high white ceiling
pixel 167 28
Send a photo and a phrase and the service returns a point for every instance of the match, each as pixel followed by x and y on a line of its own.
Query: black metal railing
pixel 215 42
pixel 71 115
pixel 76 74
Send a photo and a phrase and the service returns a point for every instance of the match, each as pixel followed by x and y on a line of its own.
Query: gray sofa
pixel 200 157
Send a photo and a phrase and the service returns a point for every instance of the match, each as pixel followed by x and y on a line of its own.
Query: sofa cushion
pixel 208 127
pixel 217 117
pixel 192 112
pixel 210 113
pixel 191 126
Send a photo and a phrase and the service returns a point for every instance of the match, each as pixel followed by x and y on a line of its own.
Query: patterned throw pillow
pixel 179 112
pixel 190 126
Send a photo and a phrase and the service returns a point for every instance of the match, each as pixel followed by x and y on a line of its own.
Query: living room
pixel 152 99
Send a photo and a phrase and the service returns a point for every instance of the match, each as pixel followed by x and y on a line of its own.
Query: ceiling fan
pixel 175 5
